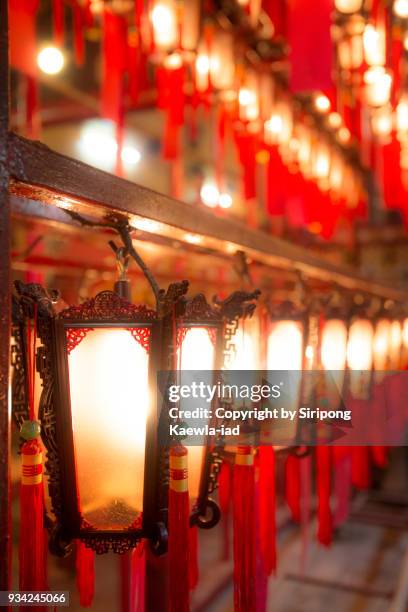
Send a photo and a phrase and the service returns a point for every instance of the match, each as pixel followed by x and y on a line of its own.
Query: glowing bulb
pixel 335 120
pixel 173 61
pixel 348 6
pixel 402 115
pixel 225 200
pixel 130 155
pixel 50 60
pixel 246 97
pixel 401 8
pixel 274 125
pixel 203 64
pixel 164 25
pixel 193 238
pixel 146 225
pixel 322 103
pixel 210 194
pixel 344 135
pixel 377 86
pixel 374 46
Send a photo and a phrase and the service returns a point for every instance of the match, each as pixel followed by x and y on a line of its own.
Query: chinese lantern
pixel 333 355
pixel 378 83
pixel 395 345
pixel 348 6
pixel 374 45
pixel 222 62
pixel 360 356
pixel 164 24
pixel 248 98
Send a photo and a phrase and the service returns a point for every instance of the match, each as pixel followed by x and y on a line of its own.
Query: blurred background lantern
pixel 333 351
pixel 360 354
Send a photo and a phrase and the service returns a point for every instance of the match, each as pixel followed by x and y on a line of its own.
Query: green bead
pixel 30 430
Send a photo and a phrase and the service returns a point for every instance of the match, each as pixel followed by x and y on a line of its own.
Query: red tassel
pixel 85 574
pixel 267 508
pixel 360 467
pixel 79 42
pixel 324 516
pixel 137 578
pixel 124 573
pixel 32 542
pixel 179 527
pixel 58 22
pixel 224 497
pixel 292 486
pixel 380 456
pixel 193 573
pixel 244 531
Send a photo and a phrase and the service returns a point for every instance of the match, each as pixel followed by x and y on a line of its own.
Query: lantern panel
pixel 333 356
pixel 285 352
pixel 196 352
pixel 381 344
pixel 395 345
pixel 109 398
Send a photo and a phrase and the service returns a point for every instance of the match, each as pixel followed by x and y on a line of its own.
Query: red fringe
pixel 193 573
pixel 379 455
pixel 58 22
pixel 85 574
pixel 137 578
pixel 32 551
pixel 244 538
pixel 224 497
pixel 79 42
pixel 360 467
pixel 292 486
pixel 179 527
pixel 267 508
pixel 323 478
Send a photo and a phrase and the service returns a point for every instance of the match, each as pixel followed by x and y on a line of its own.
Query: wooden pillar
pixel 5 544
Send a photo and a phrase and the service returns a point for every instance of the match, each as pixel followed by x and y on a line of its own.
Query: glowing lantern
pixel 333 356
pixel 99 413
pixel 351 52
pixel 190 24
pixel 248 98
pixel 360 356
pixel 348 6
pixel 374 45
pixel 378 83
pixel 292 346
pixel 381 347
pixel 401 8
pixel 202 68
pixel 395 345
pixel 402 117
pixel 404 359
pixel 222 62
pixel 382 123
pixel 165 25
pixel 321 165
pixel 200 342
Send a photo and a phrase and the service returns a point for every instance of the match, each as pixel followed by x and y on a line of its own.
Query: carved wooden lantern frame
pixel 61 333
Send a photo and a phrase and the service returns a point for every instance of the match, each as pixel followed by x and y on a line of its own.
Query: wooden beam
pixel 5 543
pixel 42 175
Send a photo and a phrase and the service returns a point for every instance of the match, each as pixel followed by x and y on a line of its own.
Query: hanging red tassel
pixel 360 467
pixel 342 483
pixel 292 486
pixel 32 554
pixel 224 497
pixel 267 508
pixel 58 22
pixel 179 527
pixel 79 41
pixel 85 574
pixel 323 480
pixel 193 573
pixel 32 544
pixel 137 578
pixel 380 456
pixel 244 531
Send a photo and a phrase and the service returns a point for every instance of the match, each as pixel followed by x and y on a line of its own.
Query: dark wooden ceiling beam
pixel 42 175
